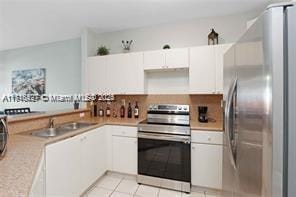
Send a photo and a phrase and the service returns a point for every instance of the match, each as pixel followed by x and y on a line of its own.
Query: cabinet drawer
pixel 207 137
pixel 124 131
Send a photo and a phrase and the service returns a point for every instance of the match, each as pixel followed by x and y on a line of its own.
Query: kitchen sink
pixel 76 125
pixel 51 132
pixel 63 129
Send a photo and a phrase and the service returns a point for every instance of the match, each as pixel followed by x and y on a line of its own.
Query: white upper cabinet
pixel 220 50
pixel 124 73
pixel 202 70
pixel 177 58
pixel 134 74
pixel 96 74
pixel 154 60
pixel 166 59
pixel 206 69
pixel 116 74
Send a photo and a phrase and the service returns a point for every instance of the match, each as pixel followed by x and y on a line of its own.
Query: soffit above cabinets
pixel 48 21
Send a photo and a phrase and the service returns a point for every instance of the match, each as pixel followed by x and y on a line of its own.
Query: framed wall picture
pixel 32 81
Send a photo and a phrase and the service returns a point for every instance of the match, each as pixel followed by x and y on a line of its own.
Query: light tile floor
pixel 119 185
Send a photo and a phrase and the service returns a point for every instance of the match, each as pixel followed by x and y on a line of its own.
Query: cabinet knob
pixel 209 139
pixel 193 148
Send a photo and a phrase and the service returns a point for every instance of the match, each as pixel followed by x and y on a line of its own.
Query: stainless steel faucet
pixel 51 123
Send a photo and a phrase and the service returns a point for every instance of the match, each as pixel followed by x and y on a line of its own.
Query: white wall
pixel 62 61
pixel 181 34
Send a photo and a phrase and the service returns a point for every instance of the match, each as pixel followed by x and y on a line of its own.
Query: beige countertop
pixel 19 166
pixel 33 116
pixel 210 126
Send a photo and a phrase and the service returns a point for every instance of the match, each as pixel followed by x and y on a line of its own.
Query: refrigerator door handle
pixel 227 120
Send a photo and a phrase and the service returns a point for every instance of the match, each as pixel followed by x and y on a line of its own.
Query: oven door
pixel 3 136
pixel 164 156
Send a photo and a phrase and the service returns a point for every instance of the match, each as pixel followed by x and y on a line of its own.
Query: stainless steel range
pixel 164 148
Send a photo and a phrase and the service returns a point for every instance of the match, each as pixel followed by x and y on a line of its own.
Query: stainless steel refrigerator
pixel 259 154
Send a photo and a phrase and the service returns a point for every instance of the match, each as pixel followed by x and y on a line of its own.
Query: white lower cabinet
pixel 206 159
pixel 124 154
pixel 63 168
pixel 72 165
pixel 38 186
pixel 93 157
pixel 124 149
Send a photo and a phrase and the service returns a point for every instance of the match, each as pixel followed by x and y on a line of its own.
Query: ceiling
pixel 31 22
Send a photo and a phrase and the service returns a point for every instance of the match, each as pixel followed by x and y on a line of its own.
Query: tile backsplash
pixel 213 102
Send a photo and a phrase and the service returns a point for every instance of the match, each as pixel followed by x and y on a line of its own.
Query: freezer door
pixel 291 11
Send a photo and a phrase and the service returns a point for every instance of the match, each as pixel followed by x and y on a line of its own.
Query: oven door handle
pixel 184 139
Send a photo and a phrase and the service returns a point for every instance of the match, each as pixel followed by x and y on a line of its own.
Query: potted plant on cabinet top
pixel 102 50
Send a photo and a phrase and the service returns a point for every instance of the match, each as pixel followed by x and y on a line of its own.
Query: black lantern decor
pixel 213 38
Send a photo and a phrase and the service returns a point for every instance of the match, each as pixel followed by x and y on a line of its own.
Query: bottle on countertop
pixel 122 109
pixel 101 111
pixel 114 113
pixel 136 111
pixel 129 110
pixel 108 110
pixel 95 110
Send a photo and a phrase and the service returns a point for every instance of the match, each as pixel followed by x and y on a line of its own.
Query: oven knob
pixel 185 108
pixel 179 108
pixel 154 107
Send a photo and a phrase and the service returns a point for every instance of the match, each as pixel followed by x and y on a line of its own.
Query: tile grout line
pixel 116 187
pixel 158 192
pixel 137 190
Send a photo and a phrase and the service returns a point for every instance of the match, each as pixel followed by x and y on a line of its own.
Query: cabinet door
pixel 63 169
pixel 154 60
pixel 96 75
pixel 220 50
pixel 206 165
pixel 177 58
pixel 116 72
pixel 38 186
pixel 134 74
pixel 202 70
pixel 94 156
pixel 124 154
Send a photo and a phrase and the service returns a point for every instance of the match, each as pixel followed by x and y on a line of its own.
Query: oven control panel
pixel 168 108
